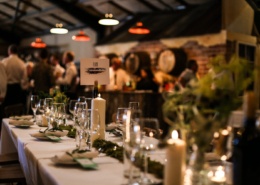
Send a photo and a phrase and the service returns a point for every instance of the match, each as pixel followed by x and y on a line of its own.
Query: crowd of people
pixel 19 79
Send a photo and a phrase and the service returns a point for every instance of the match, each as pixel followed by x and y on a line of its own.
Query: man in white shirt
pixel 58 70
pixel 3 82
pixel 118 76
pixel 16 71
pixel 70 80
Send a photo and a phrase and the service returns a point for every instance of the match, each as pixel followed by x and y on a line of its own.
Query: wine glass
pixel 72 104
pixel 150 135
pixel 121 116
pixel 79 116
pixel 34 105
pixel 48 105
pixel 89 101
pixel 58 113
pixel 134 105
pixel 132 139
pixel 41 109
pixel 81 99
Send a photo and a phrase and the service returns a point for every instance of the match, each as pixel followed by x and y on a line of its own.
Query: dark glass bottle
pixel 246 147
pixel 95 90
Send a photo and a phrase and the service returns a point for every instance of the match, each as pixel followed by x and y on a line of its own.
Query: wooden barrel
pixel 134 62
pixel 172 61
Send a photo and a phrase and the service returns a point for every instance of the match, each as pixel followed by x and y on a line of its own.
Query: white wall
pixel 65 42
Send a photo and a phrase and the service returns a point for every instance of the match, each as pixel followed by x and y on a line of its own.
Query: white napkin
pixel 68 157
pixel 20 122
pixel 57 133
pixel 49 133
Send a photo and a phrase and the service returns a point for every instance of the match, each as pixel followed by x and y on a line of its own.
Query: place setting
pixel 86 122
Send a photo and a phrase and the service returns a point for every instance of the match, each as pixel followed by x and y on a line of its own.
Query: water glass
pixel 34 105
pixel 58 114
pixel 121 116
pixel 132 140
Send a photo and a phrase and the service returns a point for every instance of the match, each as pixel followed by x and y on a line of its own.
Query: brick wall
pixel 193 50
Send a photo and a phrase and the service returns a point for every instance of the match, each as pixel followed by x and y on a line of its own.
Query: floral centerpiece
pixel 203 106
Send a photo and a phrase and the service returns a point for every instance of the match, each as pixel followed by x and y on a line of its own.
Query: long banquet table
pixel 35 158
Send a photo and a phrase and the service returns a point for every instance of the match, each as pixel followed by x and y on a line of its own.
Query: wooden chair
pixel 12 174
pixel 13 110
pixel 11 158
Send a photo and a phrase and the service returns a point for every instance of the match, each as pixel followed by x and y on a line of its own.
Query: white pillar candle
pixel 175 166
pixel 100 104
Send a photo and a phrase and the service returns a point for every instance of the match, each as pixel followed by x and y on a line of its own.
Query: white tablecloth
pixel 34 156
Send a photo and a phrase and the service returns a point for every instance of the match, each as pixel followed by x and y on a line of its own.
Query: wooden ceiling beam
pixel 149 5
pixel 78 11
pixel 120 7
pixel 29 3
pixel 61 19
pixel 44 22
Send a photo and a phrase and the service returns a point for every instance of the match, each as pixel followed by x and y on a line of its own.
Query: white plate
pixel 24 117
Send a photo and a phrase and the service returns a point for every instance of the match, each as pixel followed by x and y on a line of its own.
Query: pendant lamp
pixel 81 36
pixel 108 20
pixel 139 29
pixel 59 29
pixel 38 43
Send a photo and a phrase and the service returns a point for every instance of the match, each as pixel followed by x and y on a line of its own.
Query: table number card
pixel 93 69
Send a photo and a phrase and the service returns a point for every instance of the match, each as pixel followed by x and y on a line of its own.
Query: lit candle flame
pixel 99 95
pixel 175 134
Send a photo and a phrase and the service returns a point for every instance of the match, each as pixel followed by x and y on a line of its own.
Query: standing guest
pixel 70 80
pixel 16 72
pixel 58 70
pixel 3 87
pixel 118 76
pixel 147 81
pixel 3 82
pixel 189 73
pixel 42 74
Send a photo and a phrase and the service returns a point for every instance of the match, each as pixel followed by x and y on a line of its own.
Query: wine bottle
pixel 246 147
pixel 95 90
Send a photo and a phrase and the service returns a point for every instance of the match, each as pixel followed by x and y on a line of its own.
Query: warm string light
pixel 38 43
pixel 139 29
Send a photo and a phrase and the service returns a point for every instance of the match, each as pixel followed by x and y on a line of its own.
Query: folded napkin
pixel 83 154
pixel 70 156
pixel 20 122
pixel 57 133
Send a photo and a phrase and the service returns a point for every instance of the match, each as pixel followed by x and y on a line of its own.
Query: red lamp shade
pixel 139 29
pixel 81 36
pixel 38 43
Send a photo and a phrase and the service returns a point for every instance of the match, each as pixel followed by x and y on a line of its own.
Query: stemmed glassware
pixel 150 135
pixel 48 105
pixel 34 105
pixel 72 104
pixel 81 99
pixel 79 120
pixel 58 114
pixel 134 105
pixel 92 125
pixel 121 116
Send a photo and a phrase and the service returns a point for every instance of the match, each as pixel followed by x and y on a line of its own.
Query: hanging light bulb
pixel 81 36
pixel 38 43
pixel 139 29
pixel 108 20
pixel 59 29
